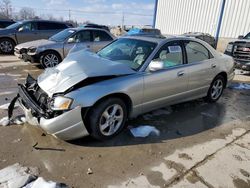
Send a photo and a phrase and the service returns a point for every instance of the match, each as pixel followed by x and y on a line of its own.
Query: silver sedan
pixel 95 94
pixel 52 51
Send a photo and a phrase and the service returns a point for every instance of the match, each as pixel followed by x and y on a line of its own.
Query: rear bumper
pixel 67 126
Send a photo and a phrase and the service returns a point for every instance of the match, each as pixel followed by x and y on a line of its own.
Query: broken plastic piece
pixel 144 131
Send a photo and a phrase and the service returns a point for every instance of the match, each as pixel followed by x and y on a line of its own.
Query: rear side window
pixel 101 36
pixel 50 26
pixel 170 54
pixel 196 52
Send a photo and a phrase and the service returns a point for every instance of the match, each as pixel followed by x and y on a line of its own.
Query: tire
pixel 50 59
pixel 7 46
pixel 216 89
pixel 98 117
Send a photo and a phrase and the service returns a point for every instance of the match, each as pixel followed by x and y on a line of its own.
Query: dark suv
pixel 25 31
pixel 240 51
pixel 202 36
pixel 6 23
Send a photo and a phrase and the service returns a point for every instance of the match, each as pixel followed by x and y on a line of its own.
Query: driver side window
pixel 83 36
pixel 170 54
pixel 30 26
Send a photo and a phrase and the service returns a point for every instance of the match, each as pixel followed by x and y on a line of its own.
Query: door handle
pixel 213 66
pixel 181 73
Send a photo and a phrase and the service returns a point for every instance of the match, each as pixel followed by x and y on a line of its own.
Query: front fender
pixel 87 96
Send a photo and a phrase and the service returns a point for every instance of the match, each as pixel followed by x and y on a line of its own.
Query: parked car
pixel 95 94
pixel 240 51
pixel 144 31
pixel 25 31
pixel 52 51
pixel 91 25
pixel 6 23
pixel 202 36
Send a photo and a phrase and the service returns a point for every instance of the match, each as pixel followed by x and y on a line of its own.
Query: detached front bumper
pixel 67 126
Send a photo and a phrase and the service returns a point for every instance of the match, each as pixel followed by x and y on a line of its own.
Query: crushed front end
pixel 37 106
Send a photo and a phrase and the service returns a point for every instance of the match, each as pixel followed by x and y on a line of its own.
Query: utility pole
pixel 122 20
pixel 69 15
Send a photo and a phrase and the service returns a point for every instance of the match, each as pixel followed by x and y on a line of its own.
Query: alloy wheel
pixel 111 120
pixel 6 46
pixel 217 89
pixel 50 60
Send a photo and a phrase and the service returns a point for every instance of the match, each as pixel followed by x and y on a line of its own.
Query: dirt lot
pixel 200 144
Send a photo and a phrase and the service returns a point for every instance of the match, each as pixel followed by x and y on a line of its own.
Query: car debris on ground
pixel 144 131
pixel 17 176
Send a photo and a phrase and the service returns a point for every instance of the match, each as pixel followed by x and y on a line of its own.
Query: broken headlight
pixel 61 103
pixel 31 50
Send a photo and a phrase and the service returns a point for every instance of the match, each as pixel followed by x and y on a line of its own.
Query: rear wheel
pixel 50 59
pixel 107 118
pixel 6 46
pixel 216 89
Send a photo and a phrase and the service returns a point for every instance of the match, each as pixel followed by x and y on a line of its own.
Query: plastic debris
pixel 16 176
pixel 4 121
pixel 19 120
pixel 240 86
pixel 89 171
pixel 144 131
pixel 41 183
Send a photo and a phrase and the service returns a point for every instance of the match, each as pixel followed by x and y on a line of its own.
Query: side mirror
pixel 20 29
pixel 240 37
pixel 156 65
pixel 71 40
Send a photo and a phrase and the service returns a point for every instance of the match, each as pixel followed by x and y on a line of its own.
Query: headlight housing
pixel 229 48
pixel 31 50
pixel 61 103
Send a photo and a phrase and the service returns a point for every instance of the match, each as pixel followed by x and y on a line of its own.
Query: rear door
pixel 48 29
pixel 100 39
pixel 170 84
pixel 27 32
pixel 202 67
pixel 82 39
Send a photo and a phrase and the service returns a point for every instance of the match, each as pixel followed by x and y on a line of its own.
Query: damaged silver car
pixel 94 94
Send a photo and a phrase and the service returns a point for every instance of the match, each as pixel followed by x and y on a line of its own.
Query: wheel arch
pixel 51 50
pixel 9 38
pixel 124 97
pixel 224 75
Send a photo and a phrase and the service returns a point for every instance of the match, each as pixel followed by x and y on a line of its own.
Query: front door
pixel 168 85
pixel 27 32
pixel 82 39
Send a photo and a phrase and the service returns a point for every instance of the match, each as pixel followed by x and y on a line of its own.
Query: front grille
pixel 241 51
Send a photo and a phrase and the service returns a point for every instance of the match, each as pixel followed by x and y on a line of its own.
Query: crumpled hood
pixel 36 43
pixel 77 67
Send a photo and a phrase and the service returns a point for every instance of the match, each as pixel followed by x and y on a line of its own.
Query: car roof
pixel 87 28
pixel 51 21
pixel 161 38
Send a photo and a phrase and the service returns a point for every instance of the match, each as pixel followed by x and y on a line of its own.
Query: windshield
pixel 62 36
pixel 128 51
pixel 15 25
pixel 247 36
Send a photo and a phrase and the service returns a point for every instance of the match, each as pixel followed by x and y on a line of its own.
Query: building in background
pixel 226 19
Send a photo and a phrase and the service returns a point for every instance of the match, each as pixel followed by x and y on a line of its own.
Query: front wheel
pixel 50 59
pixel 216 89
pixel 107 118
pixel 6 46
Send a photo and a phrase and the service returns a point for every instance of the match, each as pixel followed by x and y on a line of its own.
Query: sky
pixel 80 10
